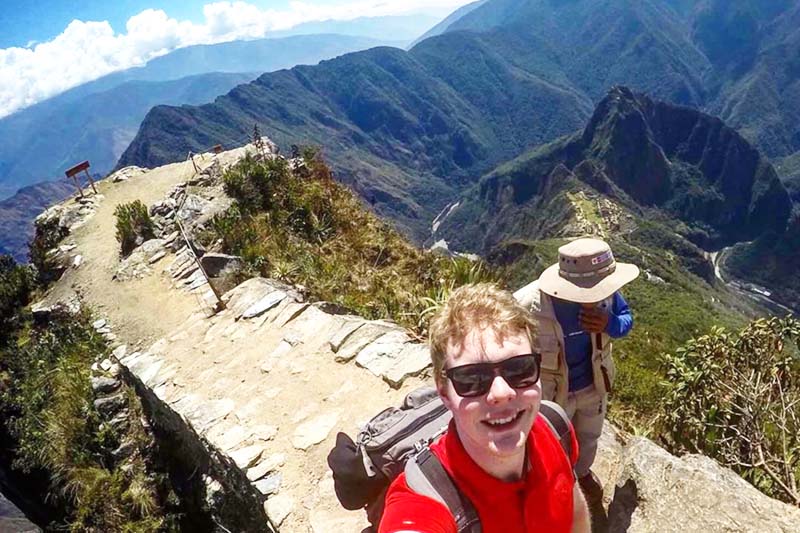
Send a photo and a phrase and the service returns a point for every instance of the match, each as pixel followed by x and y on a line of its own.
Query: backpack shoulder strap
pixel 558 421
pixel 426 476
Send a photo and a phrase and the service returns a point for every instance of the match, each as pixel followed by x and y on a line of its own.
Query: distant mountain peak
pixel 619 133
pixel 644 154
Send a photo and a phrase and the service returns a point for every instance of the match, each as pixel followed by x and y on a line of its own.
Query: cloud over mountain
pixel 93 48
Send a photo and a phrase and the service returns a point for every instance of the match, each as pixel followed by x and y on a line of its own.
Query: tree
pixel 736 397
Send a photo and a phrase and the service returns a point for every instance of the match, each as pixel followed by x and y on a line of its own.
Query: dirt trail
pixel 140 310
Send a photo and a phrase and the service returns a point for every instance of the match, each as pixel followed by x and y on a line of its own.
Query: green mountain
pixel 98 120
pixel 661 183
pixel 406 129
pixel 664 182
pixel 754 49
pixel 655 160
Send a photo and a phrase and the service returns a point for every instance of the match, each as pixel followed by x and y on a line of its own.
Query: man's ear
pixel 441 386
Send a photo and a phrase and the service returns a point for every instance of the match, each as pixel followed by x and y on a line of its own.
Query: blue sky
pixel 49 46
pixel 26 21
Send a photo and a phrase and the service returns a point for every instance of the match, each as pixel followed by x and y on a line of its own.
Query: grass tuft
pixel 134 226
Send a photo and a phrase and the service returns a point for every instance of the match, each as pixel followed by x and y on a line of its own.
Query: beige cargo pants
pixel 587 410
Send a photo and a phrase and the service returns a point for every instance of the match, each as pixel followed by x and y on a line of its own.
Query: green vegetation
pixel 302 227
pixel 587 208
pixel 48 235
pixel 134 225
pixel 413 129
pixel 46 406
pixel 771 261
pixel 735 397
pixel 16 284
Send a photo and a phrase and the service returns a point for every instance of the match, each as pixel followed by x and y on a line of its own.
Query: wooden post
pixel 78 185
pixel 91 181
pixel 191 156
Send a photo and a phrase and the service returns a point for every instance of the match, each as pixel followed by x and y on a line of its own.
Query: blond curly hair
pixel 478 306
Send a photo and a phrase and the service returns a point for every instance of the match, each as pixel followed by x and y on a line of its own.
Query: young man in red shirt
pixel 500 454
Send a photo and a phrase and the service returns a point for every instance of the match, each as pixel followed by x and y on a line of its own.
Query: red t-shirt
pixel 541 501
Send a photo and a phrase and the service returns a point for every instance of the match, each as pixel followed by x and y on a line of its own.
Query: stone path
pixel 270 380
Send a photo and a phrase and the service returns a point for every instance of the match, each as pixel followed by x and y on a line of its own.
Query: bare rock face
pixel 70 215
pixel 649 490
pixel 219 265
pixel 69 303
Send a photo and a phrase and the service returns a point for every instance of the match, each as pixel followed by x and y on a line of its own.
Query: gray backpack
pixel 396 440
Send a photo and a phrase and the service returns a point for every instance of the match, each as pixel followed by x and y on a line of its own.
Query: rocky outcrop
pixel 192 203
pixel 67 302
pixel 49 254
pixel 69 216
pixel 126 173
pixel 138 263
pixel 649 490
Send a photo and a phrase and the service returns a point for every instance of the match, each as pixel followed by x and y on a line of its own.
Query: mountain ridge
pixel 521 72
pixel 221 67
pixel 645 154
pixel 400 112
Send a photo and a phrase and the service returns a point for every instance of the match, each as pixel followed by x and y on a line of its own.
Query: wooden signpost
pixel 73 173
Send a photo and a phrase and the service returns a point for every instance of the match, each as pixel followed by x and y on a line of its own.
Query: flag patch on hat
pixel 605 256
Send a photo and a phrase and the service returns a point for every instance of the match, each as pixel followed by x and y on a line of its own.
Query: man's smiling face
pixel 496 424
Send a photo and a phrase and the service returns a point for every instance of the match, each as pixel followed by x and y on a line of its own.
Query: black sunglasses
pixel 519 372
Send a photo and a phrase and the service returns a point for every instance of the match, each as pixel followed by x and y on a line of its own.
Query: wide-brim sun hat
pixel 586 272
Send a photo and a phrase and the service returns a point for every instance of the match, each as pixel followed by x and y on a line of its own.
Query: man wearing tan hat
pixel 579 311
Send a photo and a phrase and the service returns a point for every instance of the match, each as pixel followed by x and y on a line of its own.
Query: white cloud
pixel 88 50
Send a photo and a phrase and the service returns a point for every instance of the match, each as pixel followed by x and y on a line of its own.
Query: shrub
pixel 735 397
pixel 304 228
pixel 46 402
pixel 48 235
pixel 134 226
pixel 16 284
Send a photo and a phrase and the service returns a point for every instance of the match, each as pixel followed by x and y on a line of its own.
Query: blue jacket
pixel 578 344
